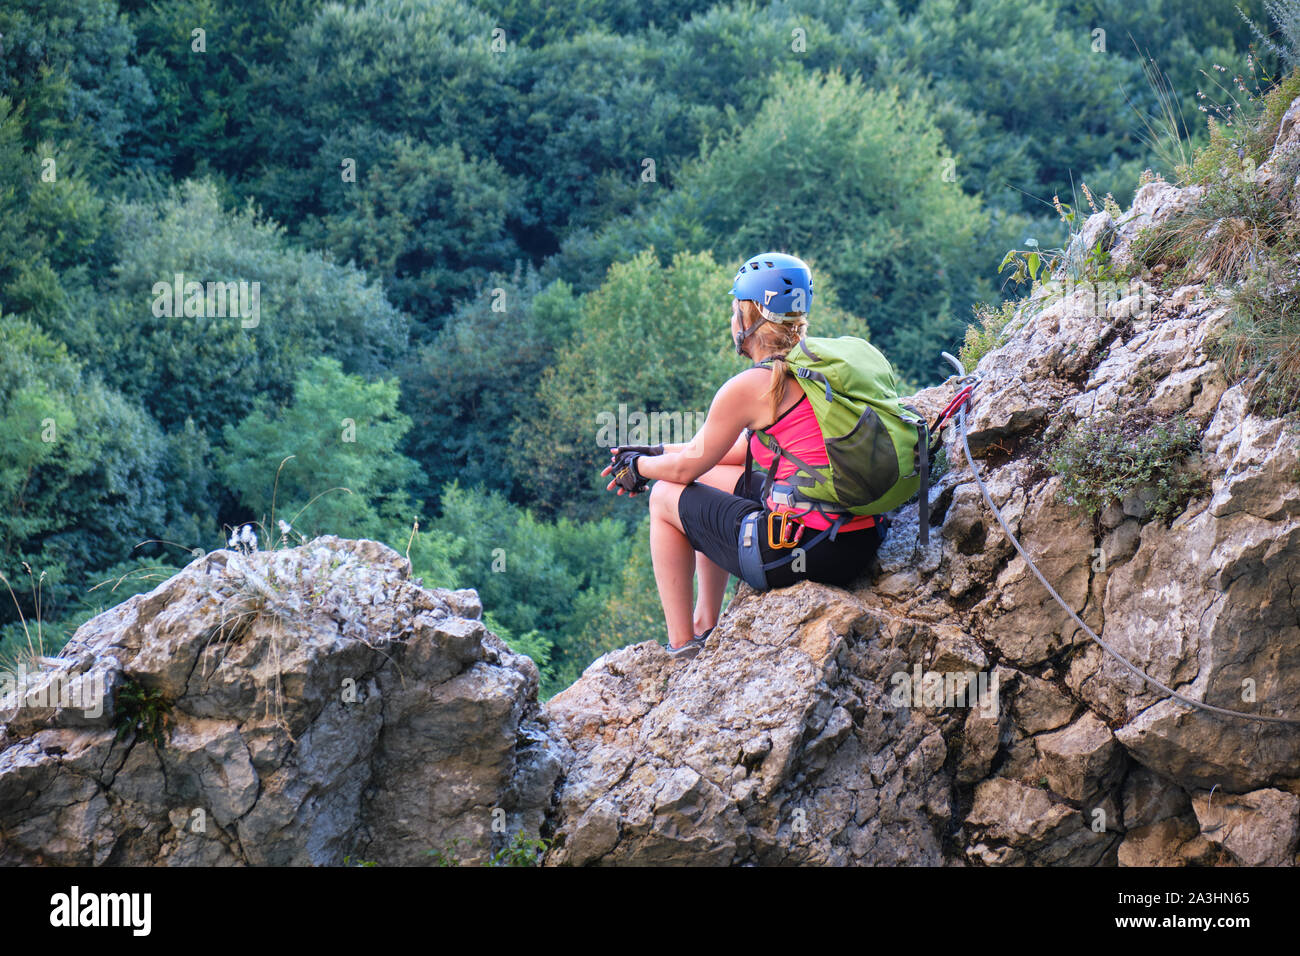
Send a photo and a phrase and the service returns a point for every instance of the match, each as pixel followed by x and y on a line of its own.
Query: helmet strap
pixel 740 337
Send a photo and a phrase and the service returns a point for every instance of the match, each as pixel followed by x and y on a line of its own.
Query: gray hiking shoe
pixel 691 647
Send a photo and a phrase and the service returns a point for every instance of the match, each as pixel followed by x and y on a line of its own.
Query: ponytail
pixel 776 384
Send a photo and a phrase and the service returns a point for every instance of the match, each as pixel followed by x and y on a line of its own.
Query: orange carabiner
pixel 779 531
pixel 775 538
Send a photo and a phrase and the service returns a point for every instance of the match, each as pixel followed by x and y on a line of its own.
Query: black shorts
pixel 711 519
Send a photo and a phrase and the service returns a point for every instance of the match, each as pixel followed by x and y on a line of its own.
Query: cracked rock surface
pixel 322 705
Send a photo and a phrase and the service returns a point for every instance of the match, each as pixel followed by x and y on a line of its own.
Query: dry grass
pixel 32 653
pixel 1229 232
pixel 1223 237
pixel 1262 343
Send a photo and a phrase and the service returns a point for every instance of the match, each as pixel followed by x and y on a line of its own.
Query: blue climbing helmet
pixel 779 283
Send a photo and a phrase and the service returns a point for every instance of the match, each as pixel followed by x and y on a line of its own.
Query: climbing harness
pixel 752 568
pixel 972 380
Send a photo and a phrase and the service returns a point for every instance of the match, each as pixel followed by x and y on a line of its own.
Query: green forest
pixel 390 269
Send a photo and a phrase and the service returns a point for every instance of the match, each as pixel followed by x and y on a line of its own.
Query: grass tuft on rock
pixel 988 334
pixel 1261 344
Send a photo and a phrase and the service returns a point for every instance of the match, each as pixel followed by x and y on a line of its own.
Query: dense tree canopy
pixel 346 476
pixel 211 367
pixel 81 467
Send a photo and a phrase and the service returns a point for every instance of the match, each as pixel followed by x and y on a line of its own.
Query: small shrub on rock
pixel 1108 458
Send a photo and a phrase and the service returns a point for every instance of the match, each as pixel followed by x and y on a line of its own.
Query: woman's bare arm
pixel 719 441
pixel 735 454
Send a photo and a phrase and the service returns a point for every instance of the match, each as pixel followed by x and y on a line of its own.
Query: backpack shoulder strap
pixel 923 465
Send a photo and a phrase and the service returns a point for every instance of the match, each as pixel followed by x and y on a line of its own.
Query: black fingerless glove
pixel 650 450
pixel 625 474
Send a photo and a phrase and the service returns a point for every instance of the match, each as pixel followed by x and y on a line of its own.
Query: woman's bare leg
pixel 712 578
pixel 674 559
pixel 708 600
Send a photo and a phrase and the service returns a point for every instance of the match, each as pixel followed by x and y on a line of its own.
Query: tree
pixel 207 87
pixel 631 613
pixel 69 63
pixel 80 468
pixel 467 389
pixel 593 110
pixel 850 178
pixel 426 68
pixel 209 367
pixel 54 236
pixel 540 23
pixel 343 433
pixel 428 220
pixel 543 581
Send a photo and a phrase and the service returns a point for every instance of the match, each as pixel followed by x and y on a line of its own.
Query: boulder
pixel 1011 824
pixel 1153 203
pixel 1174 841
pixel 781 742
pixel 1082 762
pixel 317 705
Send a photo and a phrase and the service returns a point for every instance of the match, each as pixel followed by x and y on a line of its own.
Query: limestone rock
pixel 981 738
pixel 1015 825
pixel 1155 202
pixel 320 705
pixel 1082 761
pixel 1039 706
pixel 1026 624
pixel 1122 542
pixel 1260 828
pixel 778 743
pixel 1195 608
pixel 1174 841
pixel 1098 230
pixel 1282 159
pixel 1148 799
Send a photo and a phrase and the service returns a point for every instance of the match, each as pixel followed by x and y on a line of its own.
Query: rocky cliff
pixel 822 727
pixel 316 705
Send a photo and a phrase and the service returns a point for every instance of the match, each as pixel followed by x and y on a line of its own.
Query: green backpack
pixel 878 448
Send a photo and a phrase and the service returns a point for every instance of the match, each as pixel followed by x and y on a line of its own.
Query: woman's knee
pixel 663 498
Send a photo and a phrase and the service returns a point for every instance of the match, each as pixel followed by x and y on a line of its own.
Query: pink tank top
pixel 797 431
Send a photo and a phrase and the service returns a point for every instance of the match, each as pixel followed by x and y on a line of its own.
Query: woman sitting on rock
pixel 704 495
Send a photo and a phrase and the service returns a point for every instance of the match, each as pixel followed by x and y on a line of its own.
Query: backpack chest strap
pixel 806 476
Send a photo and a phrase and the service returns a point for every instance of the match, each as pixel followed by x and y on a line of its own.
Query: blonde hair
pixel 775 338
